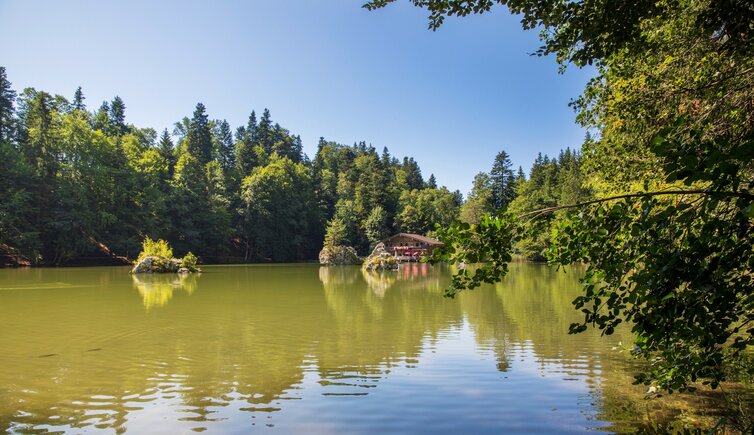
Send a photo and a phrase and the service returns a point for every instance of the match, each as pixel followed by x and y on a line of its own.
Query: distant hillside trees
pixel 551 182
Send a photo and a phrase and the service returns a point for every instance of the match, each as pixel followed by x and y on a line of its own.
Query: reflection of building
pixel 410 245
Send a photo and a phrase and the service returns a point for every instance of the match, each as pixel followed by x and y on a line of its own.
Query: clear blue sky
pixel 451 99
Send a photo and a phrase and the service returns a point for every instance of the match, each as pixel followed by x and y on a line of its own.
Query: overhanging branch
pixel 535 213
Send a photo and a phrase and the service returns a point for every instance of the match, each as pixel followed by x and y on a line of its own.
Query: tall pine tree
pixel 78 100
pixel 167 151
pixel 502 182
pixel 118 117
pixel 7 97
pixel 199 136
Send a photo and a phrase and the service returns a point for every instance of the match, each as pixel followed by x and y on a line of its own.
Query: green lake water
pixel 298 349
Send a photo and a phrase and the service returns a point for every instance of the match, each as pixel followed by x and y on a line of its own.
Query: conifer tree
pixel 118 117
pixel 245 155
pixel 479 201
pixel 375 226
pixel 412 173
pixel 263 134
pixel 101 120
pixel 7 97
pixel 503 182
pixel 199 136
pixel 78 100
pixel 336 233
pixel 251 128
pixel 385 158
pixel 167 151
pixel 432 182
pixel 224 145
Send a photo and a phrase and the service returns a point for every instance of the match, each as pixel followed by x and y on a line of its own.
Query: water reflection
pixel 298 347
pixel 157 289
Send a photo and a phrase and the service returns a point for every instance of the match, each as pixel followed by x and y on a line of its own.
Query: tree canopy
pixel 78 186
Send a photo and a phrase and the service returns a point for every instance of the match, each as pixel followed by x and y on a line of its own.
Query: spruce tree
pixel 7 97
pixel 432 183
pixel 224 144
pixel 240 133
pixel 167 151
pixel 297 149
pixel 412 173
pixel 245 156
pixel 251 128
pixel 503 182
pixel 101 119
pixel 199 137
pixel 385 158
pixel 118 117
pixel 263 134
pixel 78 100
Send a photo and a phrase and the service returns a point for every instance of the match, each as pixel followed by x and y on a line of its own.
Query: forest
pixel 80 185
pixel 657 202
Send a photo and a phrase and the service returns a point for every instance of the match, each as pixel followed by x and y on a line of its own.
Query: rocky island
pixel 157 257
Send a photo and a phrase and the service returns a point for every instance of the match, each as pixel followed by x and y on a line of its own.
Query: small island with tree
pixel 157 257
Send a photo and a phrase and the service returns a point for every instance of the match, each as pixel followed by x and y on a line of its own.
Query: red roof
pixel 427 240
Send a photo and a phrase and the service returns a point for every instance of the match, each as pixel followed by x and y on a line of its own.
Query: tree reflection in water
pixel 157 289
pixel 255 341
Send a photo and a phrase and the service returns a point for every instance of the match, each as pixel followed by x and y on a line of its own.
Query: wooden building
pixel 410 246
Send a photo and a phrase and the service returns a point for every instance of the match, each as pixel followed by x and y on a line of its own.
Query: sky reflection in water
pixel 296 348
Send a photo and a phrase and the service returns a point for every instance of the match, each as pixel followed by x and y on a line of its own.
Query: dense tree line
pixel 370 195
pixel 551 182
pixel 76 184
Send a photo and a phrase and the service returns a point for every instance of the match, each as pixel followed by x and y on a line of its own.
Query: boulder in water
pixel 338 256
pixel 380 259
pixel 156 264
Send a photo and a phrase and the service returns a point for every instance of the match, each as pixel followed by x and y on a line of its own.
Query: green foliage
pixel 77 184
pixel 482 250
pixel 199 136
pixel 688 298
pixel 679 267
pixel 502 182
pixel 78 100
pixel 223 145
pixel 278 210
pixel 673 105
pixel 583 33
pixel 552 182
pixel 117 117
pixel 17 209
pixel 7 97
pixel 189 262
pixel 375 226
pixel 374 195
pixel 479 201
pixel 101 118
pixel 422 210
pixel 155 248
pixel 336 233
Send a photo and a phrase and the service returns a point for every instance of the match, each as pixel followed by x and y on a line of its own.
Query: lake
pixel 299 348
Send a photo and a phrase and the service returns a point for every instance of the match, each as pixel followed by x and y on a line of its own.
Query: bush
pixel 189 262
pixel 159 248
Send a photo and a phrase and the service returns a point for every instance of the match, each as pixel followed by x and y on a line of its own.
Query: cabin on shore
pixel 410 247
